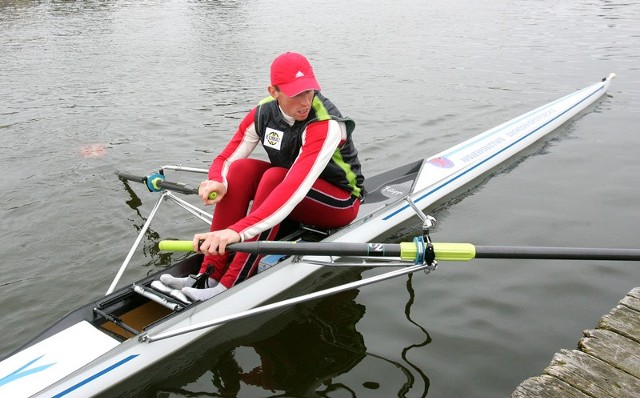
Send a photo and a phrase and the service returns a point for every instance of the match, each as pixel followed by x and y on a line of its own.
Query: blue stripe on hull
pixel 95 376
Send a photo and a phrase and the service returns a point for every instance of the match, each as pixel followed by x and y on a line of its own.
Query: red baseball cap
pixel 293 74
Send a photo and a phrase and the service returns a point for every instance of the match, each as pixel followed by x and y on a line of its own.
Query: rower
pixel 312 177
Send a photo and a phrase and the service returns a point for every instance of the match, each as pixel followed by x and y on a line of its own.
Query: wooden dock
pixel 606 363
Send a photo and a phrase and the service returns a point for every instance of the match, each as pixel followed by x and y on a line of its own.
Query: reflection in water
pixel 302 359
pixel 319 353
pixel 135 202
pixel 409 384
pixel 307 354
pixel 427 340
pixel 150 244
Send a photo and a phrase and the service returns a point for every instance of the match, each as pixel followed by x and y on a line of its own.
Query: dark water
pixel 87 88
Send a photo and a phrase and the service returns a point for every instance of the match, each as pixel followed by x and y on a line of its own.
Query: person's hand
pixel 214 243
pixel 208 186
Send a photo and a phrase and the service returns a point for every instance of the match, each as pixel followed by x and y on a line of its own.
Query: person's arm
pixel 240 146
pixel 320 141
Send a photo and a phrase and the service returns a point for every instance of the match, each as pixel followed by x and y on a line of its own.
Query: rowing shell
pixel 82 356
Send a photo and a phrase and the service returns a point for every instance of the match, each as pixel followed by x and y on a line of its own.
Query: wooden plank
pixel 635 292
pixel 631 302
pixel 606 365
pixel 612 348
pixel 591 375
pixel 546 386
pixel 622 320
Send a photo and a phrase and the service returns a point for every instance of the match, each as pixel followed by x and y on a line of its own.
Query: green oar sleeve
pixel 444 251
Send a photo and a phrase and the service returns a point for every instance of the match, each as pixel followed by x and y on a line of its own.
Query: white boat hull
pixel 439 176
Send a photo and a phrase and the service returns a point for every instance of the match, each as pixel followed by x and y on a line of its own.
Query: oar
pixel 157 182
pixel 410 250
pixel 405 250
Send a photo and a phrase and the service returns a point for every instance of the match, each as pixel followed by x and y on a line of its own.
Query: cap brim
pixel 299 85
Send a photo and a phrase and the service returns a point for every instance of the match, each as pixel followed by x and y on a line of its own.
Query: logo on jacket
pixel 273 138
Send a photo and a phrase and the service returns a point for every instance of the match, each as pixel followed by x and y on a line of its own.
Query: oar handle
pixel 180 187
pixel 176 245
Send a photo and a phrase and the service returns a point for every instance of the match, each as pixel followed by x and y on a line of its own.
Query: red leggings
pixel 325 206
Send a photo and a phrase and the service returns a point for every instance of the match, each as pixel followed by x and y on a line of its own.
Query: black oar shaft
pixel 557 253
pixel 319 248
pixel 132 177
pixel 178 187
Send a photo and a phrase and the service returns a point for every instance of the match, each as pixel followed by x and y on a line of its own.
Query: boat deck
pixel 606 363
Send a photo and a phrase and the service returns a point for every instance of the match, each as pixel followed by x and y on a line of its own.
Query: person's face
pixel 297 107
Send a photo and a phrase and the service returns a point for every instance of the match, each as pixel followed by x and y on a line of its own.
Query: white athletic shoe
pixel 179 283
pixel 180 296
pixel 202 294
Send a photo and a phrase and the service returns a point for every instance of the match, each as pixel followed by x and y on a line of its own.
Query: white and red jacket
pixel 318 147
